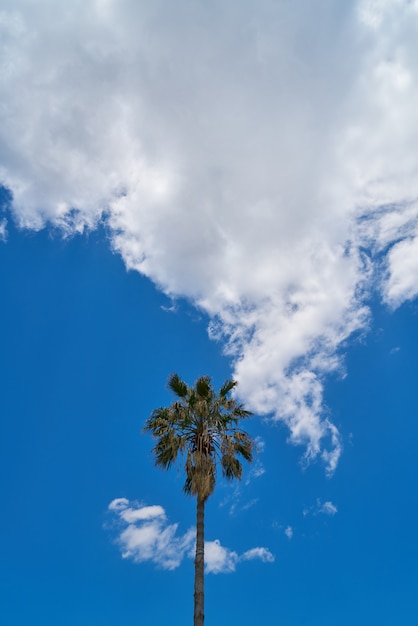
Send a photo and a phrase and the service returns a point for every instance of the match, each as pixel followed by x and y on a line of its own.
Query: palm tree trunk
pixel 199 564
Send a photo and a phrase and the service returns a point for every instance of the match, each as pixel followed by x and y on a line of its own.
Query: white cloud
pixel 259 444
pixel 374 12
pixel 144 513
pixel 258 553
pixel 3 229
pixel 289 532
pixel 219 559
pixel 326 508
pixel 118 504
pixel 240 156
pixel 146 535
pixel 402 282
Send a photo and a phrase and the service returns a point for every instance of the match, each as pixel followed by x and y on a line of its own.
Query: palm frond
pixel 203 387
pixel 227 387
pixel 231 467
pixel 167 449
pixel 243 446
pixel 177 386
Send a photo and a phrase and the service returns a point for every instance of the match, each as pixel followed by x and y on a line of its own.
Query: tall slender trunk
pixel 199 564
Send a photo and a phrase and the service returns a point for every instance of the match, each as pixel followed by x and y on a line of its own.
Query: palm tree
pixel 201 426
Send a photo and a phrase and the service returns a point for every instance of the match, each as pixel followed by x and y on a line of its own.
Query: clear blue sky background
pixel 224 188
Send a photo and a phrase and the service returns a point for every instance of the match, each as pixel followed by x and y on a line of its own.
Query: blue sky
pixel 224 189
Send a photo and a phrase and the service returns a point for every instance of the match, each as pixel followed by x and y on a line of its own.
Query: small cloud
pixel 332 456
pixel 289 532
pixel 326 508
pixel 118 504
pixel 263 554
pixel 145 513
pixel 218 559
pixel 259 444
pixel 146 535
pixel 3 229
pixel 395 350
pixel 221 560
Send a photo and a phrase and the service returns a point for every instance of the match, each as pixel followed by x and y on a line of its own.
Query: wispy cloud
pixel 326 508
pixel 257 468
pixel 144 534
pixel 216 179
pixel 256 471
pixel 249 504
pixel 234 497
pixel 3 229
pixel 262 554
pixel 287 530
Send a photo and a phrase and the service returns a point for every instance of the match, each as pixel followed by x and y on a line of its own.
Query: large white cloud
pixel 242 154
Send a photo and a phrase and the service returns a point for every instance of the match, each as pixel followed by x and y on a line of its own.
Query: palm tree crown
pixel 202 426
